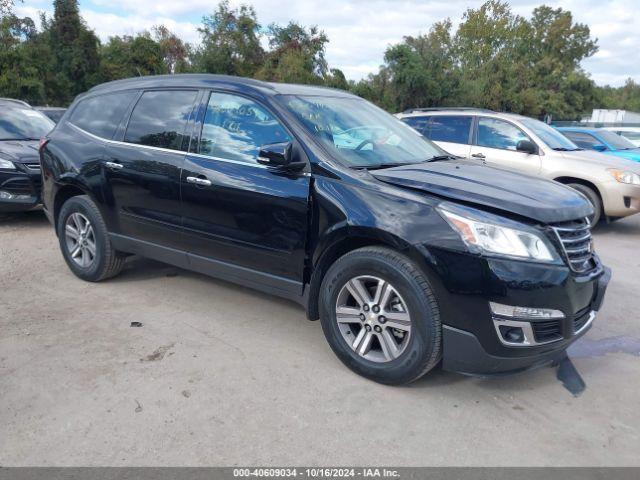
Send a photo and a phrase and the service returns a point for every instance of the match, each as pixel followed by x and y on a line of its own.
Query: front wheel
pixel 380 316
pixel 593 198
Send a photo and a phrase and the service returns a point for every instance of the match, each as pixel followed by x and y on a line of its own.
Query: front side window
pixel 359 134
pixel 159 119
pixel 450 128
pixel 101 115
pixel 616 142
pixel 494 133
pixel 23 123
pixel 235 128
pixel 583 140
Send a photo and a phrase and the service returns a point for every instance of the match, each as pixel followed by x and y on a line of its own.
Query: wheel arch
pixel 340 243
pixel 64 192
pixel 565 180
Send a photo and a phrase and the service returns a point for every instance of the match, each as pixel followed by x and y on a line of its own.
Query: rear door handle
pixel 478 155
pixel 114 165
pixel 203 182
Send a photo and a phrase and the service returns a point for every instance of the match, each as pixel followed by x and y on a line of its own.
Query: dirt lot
pixel 222 375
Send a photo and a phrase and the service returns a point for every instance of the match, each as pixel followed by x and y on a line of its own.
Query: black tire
pixel 107 262
pixel 593 197
pixel 423 350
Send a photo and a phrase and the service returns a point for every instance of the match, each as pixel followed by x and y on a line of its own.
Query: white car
pixel 630 133
pixel 505 140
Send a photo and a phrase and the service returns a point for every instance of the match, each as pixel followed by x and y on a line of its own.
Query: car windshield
pixel 549 135
pixel 18 123
pixel 616 142
pixel 360 134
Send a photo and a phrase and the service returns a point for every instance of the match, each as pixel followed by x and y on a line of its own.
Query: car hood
pixel 532 197
pixel 21 151
pixel 604 159
pixel 628 154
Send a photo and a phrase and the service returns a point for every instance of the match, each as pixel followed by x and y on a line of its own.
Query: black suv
pixel 407 255
pixel 21 128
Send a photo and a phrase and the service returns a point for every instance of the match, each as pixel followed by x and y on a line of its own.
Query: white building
pixel 618 117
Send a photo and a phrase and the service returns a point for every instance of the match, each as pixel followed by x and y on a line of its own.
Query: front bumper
pixel 619 199
pixel 20 189
pixel 463 352
pixel 466 284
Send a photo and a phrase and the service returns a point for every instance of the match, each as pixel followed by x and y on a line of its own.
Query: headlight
pixel 7 164
pixel 487 237
pixel 624 176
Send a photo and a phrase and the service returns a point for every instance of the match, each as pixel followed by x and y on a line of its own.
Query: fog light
pixel 11 196
pixel 512 334
pixel 510 311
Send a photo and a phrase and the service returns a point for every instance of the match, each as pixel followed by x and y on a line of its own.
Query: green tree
pixel 174 51
pixel 230 42
pixel 75 60
pixel 297 55
pixel 131 56
pixel 20 71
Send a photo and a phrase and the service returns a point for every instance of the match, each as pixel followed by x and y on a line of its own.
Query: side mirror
pixel 279 155
pixel 599 147
pixel 526 146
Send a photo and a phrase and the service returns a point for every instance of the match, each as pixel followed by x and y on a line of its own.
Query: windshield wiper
pixel 440 158
pixel 564 149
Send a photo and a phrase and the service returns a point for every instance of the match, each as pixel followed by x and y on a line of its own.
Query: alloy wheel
pixel 80 239
pixel 373 318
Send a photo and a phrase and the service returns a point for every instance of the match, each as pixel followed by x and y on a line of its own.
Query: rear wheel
pixel 84 241
pixel 593 197
pixel 380 316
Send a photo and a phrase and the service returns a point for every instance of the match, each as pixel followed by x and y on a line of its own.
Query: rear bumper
pixel 463 352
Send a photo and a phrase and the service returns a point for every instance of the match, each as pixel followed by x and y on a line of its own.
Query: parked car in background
pixel 54 113
pixel 406 255
pixel 21 128
pixel 602 141
pixel 504 140
pixel 630 133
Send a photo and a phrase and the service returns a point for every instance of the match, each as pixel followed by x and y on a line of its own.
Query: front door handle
pixel 114 165
pixel 203 182
pixel 479 155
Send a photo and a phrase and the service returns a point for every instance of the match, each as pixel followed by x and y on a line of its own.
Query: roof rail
pixel 14 100
pixel 439 109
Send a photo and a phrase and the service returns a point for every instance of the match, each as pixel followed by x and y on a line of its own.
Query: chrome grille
pixel 575 238
pixel 32 166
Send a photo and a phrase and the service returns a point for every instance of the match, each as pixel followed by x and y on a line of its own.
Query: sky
pixel 360 30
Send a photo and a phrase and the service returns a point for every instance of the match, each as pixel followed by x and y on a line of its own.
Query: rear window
pixel 440 128
pixel 101 115
pixel 159 119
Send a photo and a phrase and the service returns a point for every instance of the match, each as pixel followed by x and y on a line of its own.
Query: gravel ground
pixel 222 375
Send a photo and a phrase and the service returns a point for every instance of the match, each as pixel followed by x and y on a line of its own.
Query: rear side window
pixel 583 140
pixel 102 115
pixel 440 128
pixel 421 124
pixel 450 128
pixel 159 119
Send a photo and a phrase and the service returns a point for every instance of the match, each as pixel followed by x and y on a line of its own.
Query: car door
pixel 452 133
pixel 495 142
pixel 143 169
pixel 243 220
